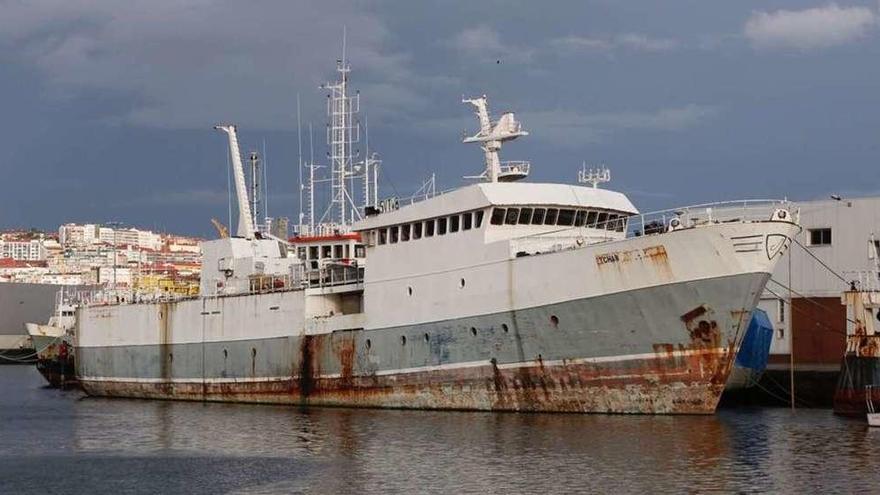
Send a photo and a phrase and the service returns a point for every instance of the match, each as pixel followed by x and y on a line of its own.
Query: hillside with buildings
pixel 124 257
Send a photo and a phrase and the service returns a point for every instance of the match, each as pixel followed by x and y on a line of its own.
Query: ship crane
pixel 222 231
pixel 491 136
pixel 246 227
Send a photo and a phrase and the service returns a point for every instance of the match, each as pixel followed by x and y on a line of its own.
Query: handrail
pixel 689 216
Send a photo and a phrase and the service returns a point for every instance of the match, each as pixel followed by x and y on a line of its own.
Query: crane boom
pixel 245 220
pixel 222 231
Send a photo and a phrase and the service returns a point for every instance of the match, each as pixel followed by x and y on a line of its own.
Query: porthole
pixel 369 344
pixel 171 357
pixel 403 340
pixel 225 353
pixel 461 284
pixel 504 327
pixel 253 352
pixel 427 338
pixel 554 321
pixel 473 331
pixel 409 290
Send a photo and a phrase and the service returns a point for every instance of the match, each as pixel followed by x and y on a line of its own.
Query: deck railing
pixel 657 222
pixel 325 277
pixel 866 280
pixel 748 210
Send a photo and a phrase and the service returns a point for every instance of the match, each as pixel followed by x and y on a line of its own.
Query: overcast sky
pixel 108 107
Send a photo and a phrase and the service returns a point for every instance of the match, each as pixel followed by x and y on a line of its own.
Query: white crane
pixel 246 227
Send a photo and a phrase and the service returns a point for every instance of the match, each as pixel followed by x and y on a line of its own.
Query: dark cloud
pixel 108 107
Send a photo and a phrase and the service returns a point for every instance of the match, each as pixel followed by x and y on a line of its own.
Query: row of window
pixel 563 217
pixel 330 251
pixel 430 228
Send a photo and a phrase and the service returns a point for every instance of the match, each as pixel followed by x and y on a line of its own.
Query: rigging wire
pixel 841 277
pixel 801 311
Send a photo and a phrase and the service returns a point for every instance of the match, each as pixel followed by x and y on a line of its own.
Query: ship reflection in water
pixel 60 442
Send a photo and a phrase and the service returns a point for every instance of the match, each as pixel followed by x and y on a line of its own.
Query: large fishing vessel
pixel 500 295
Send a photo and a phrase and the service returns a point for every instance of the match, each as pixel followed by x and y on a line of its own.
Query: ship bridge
pixel 490 222
pixel 517 209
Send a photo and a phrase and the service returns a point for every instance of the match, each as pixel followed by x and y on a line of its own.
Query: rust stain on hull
pixel 662 384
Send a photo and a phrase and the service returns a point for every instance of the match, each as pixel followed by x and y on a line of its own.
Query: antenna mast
pixel 299 167
pixel 342 133
pixel 594 176
pixel 254 159
pixel 491 136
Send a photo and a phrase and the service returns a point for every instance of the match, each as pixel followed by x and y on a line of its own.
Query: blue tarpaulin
pixel 755 348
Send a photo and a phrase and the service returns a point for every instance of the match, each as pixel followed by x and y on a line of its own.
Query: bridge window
pixel 478 219
pixel 467 221
pixel 512 215
pixel 417 230
pixel 525 216
pixel 611 224
pixel 538 216
pixel 301 252
pixel 404 233
pixel 581 218
pixel 566 218
pixel 441 226
pixel 337 251
pixel 602 220
pixel 393 237
pixel 326 252
pixel 383 236
pixel 591 218
pixel 498 216
pixel 429 228
pixel 550 218
pixel 359 251
pixel 454 222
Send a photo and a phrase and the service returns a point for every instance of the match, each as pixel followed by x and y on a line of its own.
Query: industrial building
pixel 835 248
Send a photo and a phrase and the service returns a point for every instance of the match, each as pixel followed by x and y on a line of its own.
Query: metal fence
pixel 749 210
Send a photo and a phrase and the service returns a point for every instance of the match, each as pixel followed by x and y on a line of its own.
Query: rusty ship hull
pixel 645 351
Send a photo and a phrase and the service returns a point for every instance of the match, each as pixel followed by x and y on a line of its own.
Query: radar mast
pixel 594 176
pixel 491 136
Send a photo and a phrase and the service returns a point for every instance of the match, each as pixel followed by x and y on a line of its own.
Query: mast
pixel 491 136
pixel 299 167
pixel 245 220
pixel 594 176
pixel 342 133
pixel 254 159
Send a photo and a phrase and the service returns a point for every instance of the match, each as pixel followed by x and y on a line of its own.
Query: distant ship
pixel 53 344
pixel 21 303
pixel 502 295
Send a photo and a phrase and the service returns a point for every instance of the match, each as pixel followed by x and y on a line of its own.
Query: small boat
pixel 53 344
pixel 858 384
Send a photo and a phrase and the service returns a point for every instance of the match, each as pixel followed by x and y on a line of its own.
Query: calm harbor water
pixel 62 442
